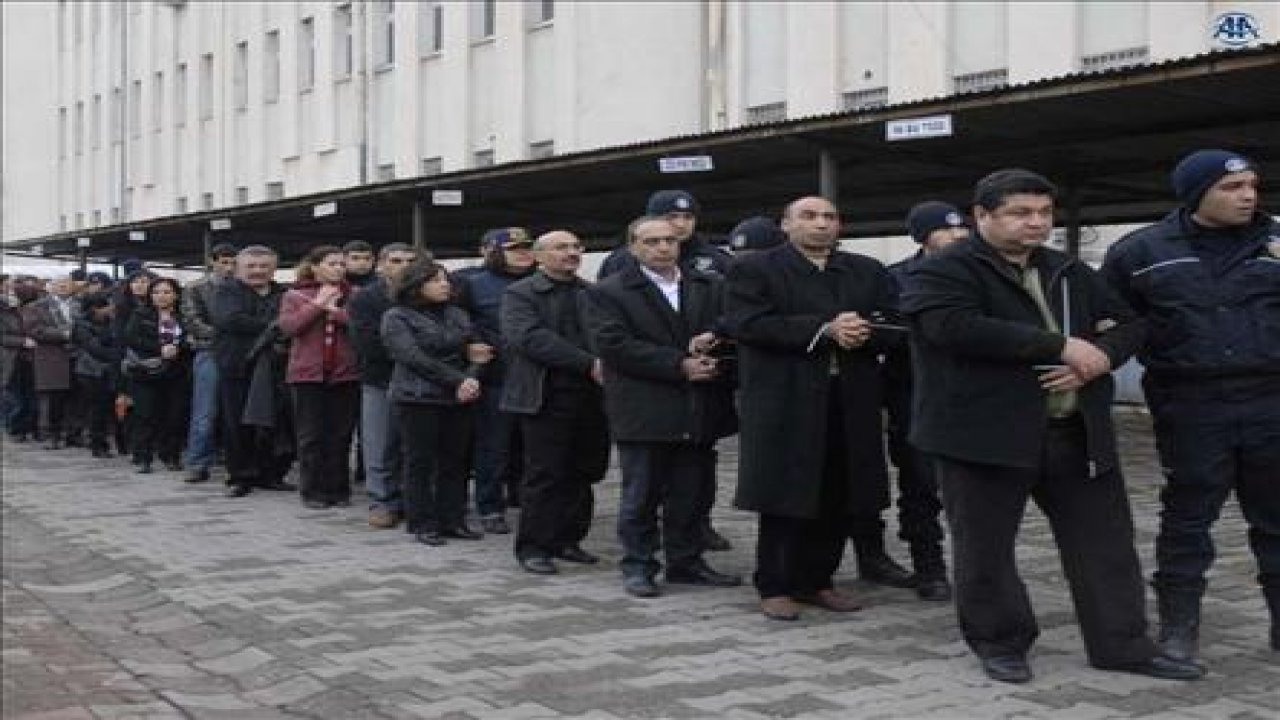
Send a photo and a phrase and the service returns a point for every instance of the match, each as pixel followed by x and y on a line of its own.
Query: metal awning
pixel 1108 139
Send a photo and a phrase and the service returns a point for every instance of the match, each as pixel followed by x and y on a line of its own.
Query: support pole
pixel 419 225
pixel 828 176
pixel 208 250
pixel 1072 218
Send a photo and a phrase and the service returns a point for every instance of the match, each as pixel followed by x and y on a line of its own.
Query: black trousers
pixel 1093 529
pixel 324 418
pixel 919 504
pixel 159 425
pixel 435 446
pixel 98 396
pixel 251 456
pixel 566 450
pixel 796 557
pixel 664 477
pixel 55 406
pixel 1210 444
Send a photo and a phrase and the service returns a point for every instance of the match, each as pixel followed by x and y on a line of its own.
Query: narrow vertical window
pixel 343 52
pixel 240 76
pixel 384 29
pixel 135 109
pixel 306 54
pixel 206 86
pixel 157 102
pixel 180 95
pixel 483 18
pixel 271 67
pixel 78 136
pixel 95 123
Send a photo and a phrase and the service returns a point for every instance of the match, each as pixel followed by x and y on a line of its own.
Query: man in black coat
pixel 552 385
pixel 1012 344
pixel 666 402
pixel 243 310
pixel 812 459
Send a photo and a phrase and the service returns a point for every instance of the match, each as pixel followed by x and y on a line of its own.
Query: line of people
pixel 984 361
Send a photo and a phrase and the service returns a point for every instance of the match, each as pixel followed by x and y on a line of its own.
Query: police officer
pixel 1012 344
pixel 1207 278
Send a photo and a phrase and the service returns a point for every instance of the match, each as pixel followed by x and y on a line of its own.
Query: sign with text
pixel 446 197
pixel 918 128
pixel 687 163
pixel 324 209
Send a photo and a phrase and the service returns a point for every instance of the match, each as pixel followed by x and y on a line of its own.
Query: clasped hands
pixel 700 366
pixel 849 330
pixel 1083 361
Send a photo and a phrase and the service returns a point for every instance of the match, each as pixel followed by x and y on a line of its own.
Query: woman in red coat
pixel 322 376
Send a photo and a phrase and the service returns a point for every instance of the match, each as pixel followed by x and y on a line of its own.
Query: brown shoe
pixel 780 608
pixel 382 519
pixel 833 600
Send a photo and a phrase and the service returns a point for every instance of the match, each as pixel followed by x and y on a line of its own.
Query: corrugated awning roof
pixel 1108 138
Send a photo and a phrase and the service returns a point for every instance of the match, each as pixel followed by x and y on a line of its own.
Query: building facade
pixel 117 111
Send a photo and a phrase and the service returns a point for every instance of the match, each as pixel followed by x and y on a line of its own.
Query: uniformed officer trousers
pixel 1210 446
pixel 1093 529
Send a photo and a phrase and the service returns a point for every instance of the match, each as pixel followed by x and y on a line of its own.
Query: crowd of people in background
pixel 979 368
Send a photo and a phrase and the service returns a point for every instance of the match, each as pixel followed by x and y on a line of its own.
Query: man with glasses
pixel 1013 343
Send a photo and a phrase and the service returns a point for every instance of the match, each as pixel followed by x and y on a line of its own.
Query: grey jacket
pixel 195 313
pixel 531 312
pixel 428 347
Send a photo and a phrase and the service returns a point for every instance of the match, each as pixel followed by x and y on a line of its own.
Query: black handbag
pixel 137 368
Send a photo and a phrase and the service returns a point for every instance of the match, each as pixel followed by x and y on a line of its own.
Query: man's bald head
pixel 812 223
pixel 558 253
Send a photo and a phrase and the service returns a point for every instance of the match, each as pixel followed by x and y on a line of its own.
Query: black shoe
pixel 461 532
pixel 702 574
pixel 575 554
pixel 882 570
pixel 343 502
pixel 312 504
pixel 1007 668
pixel 640 586
pixel 714 541
pixel 280 486
pixel 238 491
pixel 539 565
pixel 1162 667
pixel 144 467
pixel 429 537
pixel 101 453
pixel 495 526
pixel 1180 640
pixel 54 444
pixel 172 465
pixel 935 589
pixel 197 476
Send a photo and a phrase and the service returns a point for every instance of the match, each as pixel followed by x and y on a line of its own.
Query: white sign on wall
pixel 687 163
pixel 446 197
pixel 918 128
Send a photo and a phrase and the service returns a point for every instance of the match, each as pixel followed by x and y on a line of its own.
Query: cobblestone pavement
pixel 130 596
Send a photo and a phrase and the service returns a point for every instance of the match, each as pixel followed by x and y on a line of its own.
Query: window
pixel 77 18
pixel 97 218
pixel 306 54
pixel 62 132
pixel 95 123
pixel 275 190
pixel 180 205
pixel 1114 59
pixel 115 214
pixel 206 86
pixel 1113 35
pixel 240 76
pixel 157 102
pixel 343 57
pixel 242 195
pixel 544 149
pixel 430 28
pixel 767 113
pixel 117 116
pixel 979 36
pixel 271 67
pixel 765 46
pixel 540 11
pixel 870 99
pixel 385 172
pixel 180 95
pixel 980 81
pixel 206 201
pixel 384 33
pixel 432 166
pixel 135 109
pixel 78 137
pixel 482 19
pixel 483 158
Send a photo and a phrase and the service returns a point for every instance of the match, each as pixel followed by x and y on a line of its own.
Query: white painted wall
pixel 601 73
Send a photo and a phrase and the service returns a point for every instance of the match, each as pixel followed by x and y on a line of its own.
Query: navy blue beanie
pixel 926 217
pixel 1197 172
pixel 669 201
pixel 756 233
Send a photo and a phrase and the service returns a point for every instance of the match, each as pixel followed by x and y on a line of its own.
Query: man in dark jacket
pixel 244 311
pixel 666 401
pixel 811 459
pixel 698 255
pixel 935 225
pixel 553 386
pixel 358 256
pixel 1012 344
pixel 49 321
pixel 201 451
pixel 379 440
pixel 1207 278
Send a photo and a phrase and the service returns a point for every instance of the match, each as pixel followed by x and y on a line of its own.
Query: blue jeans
pixel 201 450
pixel 380 441
pixel 493 459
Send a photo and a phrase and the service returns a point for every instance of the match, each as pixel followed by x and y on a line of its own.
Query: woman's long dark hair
pixel 177 292
pixel 408 291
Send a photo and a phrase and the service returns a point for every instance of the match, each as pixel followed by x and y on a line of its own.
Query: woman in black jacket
pixel 97 368
pixel 433 386
pixel 160 361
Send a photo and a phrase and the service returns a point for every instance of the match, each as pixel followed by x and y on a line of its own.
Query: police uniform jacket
pixel 776 304
pixel 1209 317
pixel 642 342
pixel 977 335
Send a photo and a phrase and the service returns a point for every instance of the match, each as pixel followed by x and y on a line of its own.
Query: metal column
pixel 828 176
pixel 419 225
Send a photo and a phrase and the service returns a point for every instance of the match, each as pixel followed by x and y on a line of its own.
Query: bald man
pixel 553 386
pixel 812 459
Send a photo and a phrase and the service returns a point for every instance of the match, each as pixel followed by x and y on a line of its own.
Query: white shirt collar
pixel 670 288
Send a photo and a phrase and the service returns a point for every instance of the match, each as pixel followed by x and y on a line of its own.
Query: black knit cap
pixel 756 233
pixel 932 215
pixel 669 201
pixel 1197 172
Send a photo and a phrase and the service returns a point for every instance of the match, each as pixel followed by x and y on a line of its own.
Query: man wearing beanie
pixel 1207 280
pixel 1012 344
pixel 935 225
pixel 697 255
